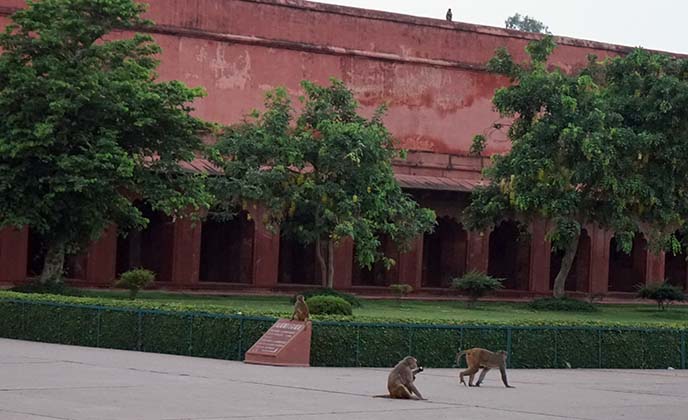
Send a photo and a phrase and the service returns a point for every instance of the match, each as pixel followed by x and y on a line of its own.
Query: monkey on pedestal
pixel 300 310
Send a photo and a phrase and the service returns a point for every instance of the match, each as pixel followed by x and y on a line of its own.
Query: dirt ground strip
pixel 46 381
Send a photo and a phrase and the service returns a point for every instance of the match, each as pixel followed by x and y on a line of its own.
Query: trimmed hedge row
pixel 342 344
pixel 225 309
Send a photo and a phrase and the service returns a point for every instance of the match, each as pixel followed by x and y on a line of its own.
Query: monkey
pixel 300 310
pixel 477 358
pixel 449 15
pixel 400 380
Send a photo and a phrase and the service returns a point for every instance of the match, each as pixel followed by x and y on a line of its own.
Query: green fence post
pixel 241 338
pixel 98 327
pixel 599 348
pixel 22 320
pixel 60 333
pixel 190 347
pixel 683 349
pixel 358 345
pixel 508 347
pixel 556 358
pixel 139 338
pixel 410 340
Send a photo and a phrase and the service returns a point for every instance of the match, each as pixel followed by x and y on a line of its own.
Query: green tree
pixel 85 126
pixel 526 24
pixel 605 146
pixel 322 176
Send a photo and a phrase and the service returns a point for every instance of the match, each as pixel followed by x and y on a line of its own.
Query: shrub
pixel 353 300
pixel 475 285
pixel 135 280
pixel 662 293
pixel 400 290
pixel 328 305
pixel 561 304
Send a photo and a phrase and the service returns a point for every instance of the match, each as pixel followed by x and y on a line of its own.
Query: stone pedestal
pixel 286 343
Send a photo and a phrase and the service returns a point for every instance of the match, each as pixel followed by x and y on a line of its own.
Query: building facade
pixel 431 73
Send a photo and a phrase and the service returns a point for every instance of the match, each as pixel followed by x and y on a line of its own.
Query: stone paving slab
pixel 47 381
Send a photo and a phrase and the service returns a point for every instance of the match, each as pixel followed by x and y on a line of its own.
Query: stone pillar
pixel 266 245
pixel 186 252
pixel 599 260
pixel 478 251
pixel 411 264
pixel 14 249
pixel 343 263
pixel 99 262
pixel 540 254
pixel 655 272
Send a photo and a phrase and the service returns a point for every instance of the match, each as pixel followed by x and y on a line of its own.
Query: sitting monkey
pixel 400 380
pixel 300 310
pixel 477 358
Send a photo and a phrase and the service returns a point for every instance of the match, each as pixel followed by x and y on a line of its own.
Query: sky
pixel 658 24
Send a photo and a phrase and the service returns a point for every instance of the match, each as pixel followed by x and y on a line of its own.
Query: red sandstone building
pixel 430 72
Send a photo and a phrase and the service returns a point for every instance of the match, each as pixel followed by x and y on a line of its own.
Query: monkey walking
pixel 300 310
pixel 400 380
pixel 477 358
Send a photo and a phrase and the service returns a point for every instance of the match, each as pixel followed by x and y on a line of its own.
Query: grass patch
pixel 415 311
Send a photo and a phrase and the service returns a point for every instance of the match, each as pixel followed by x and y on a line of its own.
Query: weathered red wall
pixel 430 72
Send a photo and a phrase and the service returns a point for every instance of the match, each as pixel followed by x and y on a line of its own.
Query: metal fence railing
pixel 343 344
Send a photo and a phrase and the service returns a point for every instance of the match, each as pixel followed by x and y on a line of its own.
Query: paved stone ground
pixel 46 381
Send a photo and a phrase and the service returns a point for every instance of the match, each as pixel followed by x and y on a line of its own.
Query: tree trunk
pixel 53 267
pixel 559 289
pixel 330 264
pixel 321 262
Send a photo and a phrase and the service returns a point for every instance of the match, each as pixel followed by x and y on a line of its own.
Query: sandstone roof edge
pixel 443 24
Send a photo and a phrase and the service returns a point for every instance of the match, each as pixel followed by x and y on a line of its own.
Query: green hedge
pixel 336 343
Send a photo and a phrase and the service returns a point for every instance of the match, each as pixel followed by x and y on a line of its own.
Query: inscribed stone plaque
pixel 286 343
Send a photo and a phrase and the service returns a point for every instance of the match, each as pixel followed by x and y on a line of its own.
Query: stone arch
pixel 36 254
pixel 579 276
pixel 297 263
pixel 227 250
pixel 676 268
pixel 150 248
pixel 444 253
pixel 377 275
pixel 509 255
pixel 626 271
pixel 73 268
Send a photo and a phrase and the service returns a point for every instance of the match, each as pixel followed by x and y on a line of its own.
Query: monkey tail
pixel 382 396
pixel 458 357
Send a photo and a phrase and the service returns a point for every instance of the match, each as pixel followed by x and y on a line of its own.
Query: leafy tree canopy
pixel 526 24
pixel 322 176
pixel 606 146
pixel 85 126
